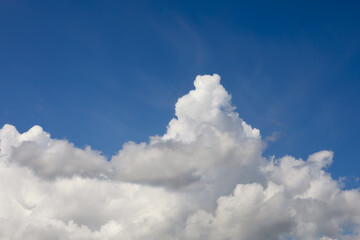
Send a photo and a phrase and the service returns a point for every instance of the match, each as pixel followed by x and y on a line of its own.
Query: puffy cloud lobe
pixel 249 213
pixel 299 201
pixel 82 208
pixel 204 178
pixel 47 157
pixel 206 107
pixel 207 148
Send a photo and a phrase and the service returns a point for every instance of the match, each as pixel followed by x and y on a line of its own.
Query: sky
pixel 103 73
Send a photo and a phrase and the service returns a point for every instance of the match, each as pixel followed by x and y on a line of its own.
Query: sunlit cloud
pixel 205 178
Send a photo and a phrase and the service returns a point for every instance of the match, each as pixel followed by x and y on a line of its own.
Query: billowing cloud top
pixel 205 178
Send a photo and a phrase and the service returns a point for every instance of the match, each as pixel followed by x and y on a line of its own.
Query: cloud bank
pixel 205 178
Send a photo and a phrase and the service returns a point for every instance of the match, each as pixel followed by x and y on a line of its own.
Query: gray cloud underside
pixel 205 178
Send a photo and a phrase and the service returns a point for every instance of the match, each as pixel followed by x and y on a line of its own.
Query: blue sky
pixel 101 73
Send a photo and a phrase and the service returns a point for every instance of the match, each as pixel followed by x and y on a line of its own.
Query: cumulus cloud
pixel 205 178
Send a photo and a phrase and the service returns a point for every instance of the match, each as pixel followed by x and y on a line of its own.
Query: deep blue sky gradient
pixel 101 73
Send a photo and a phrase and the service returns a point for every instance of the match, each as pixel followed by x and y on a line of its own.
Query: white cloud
pixel 47 157
pixel 206 150
pixel 204 178
pixel 299 200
